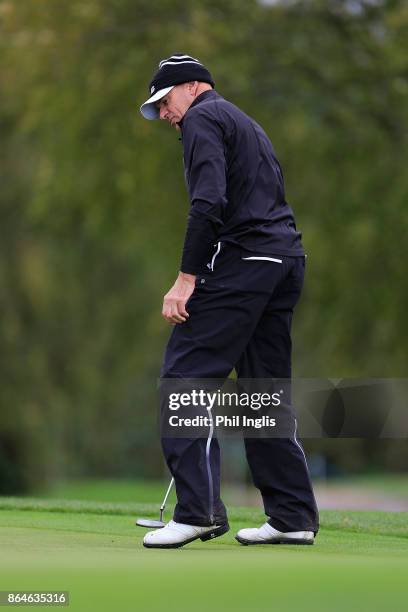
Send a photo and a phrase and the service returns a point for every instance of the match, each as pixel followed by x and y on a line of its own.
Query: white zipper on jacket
pixel 211 265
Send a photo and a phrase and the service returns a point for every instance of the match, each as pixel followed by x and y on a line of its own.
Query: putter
pixel 141 522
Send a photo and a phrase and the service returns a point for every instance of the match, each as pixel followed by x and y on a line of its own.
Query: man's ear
pixel 192 87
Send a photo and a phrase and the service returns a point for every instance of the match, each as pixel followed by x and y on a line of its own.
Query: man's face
pixel 176 103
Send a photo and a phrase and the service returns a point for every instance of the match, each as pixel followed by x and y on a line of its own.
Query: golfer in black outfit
pixel 232 304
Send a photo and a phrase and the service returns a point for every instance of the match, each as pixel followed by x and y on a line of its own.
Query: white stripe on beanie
pixel 177 63
pixel 179 59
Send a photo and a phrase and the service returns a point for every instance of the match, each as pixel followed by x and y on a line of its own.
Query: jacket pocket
pixel 262 258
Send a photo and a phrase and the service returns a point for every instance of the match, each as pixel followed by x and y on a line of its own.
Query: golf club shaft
pixel 162 507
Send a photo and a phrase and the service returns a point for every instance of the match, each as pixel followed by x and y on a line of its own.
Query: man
pixel 231 305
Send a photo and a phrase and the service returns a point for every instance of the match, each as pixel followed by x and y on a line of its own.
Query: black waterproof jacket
pixel 235 184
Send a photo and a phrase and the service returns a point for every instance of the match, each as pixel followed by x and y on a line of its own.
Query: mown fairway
pixel 93 549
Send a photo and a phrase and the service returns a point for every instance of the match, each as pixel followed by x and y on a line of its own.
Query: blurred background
pixel 93 210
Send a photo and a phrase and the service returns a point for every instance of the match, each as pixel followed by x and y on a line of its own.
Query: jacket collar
pixel 209 93
pixel 206 95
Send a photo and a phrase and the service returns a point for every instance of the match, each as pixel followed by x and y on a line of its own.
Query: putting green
pixel 93 550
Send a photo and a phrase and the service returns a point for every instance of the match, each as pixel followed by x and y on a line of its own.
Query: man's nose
pixel 163 112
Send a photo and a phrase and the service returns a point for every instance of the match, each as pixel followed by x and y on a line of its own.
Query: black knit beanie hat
pixel 176 69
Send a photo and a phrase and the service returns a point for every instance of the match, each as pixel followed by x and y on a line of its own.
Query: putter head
pixel 141 522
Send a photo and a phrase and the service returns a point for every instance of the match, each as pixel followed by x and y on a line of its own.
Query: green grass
pixel 93 549
pixel 109 490
pixel 142 491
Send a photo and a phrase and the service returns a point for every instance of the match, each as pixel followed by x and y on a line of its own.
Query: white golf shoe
pixel 174 535
pixel 269 535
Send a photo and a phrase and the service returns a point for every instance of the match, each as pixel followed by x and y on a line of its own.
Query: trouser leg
pixel 278 465
pixel 280 472
pixel 198 495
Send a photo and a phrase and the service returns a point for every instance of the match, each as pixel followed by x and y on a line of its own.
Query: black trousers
pixel 240 317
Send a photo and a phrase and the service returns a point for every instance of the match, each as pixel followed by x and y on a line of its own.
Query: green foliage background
pixel 93 207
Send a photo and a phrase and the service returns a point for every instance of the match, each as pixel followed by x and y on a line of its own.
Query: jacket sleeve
pixel 205 173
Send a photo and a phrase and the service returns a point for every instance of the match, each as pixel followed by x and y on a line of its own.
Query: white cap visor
pixel 149 109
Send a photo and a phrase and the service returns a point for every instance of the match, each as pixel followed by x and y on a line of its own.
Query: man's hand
pixel 174 302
